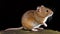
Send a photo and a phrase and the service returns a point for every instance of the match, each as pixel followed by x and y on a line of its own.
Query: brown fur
pixel 33 15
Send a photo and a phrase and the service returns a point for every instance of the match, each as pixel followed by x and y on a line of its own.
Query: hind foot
pixel 35 29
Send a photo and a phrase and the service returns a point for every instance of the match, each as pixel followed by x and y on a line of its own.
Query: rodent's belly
pixel 30 25
pixel 34 24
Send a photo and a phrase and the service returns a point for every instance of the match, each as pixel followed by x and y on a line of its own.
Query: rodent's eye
pixel 46 10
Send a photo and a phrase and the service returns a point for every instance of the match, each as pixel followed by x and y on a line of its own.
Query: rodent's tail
pixel 13 28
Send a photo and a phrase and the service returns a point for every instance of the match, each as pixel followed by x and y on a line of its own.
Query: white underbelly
pixel 36 25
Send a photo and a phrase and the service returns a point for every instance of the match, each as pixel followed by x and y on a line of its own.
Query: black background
pixel 11 12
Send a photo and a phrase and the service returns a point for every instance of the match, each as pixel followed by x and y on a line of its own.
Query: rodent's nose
pixel 52 13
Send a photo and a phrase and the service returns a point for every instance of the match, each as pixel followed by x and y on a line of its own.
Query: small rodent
pixel 33 19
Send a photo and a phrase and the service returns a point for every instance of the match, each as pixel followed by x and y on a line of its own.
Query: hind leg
pixel 36 28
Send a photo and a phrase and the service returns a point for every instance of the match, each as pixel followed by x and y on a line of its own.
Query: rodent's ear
pixel 42 5
pixel 38 9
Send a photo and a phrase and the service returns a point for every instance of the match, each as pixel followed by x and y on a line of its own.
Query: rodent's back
pixel 28 14
pixel 27 19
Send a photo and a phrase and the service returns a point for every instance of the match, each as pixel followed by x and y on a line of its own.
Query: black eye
pixel 47 11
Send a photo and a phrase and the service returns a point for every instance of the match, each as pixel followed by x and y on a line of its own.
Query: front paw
pixel 45 24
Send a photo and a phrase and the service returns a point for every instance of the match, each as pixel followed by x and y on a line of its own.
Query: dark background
pixel 11 12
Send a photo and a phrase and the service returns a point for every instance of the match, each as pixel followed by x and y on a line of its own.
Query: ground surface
pixel 29 32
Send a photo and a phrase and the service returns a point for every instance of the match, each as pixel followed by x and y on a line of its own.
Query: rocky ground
pixel 30 32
